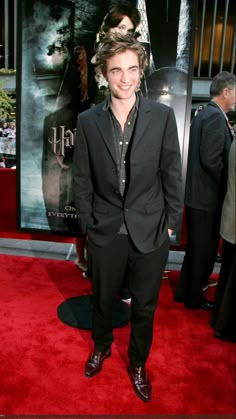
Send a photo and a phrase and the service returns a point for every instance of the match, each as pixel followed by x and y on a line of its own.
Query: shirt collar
pixel 107 103
pixel 226 117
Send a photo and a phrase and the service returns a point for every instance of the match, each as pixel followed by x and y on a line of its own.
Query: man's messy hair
pixel 116 43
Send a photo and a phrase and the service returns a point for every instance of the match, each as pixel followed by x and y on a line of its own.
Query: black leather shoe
pixel 207 305
pixel 179 298
pixel 94 364
pixel 141 383
pixel 226 336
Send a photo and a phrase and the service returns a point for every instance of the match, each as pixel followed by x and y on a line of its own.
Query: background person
pixel 210 140
pixel 80 246
pixel 224 313
pixel 127 186
pixel 199 109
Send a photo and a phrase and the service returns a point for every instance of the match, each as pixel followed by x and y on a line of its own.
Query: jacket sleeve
pixel 82 179
pixel 171 173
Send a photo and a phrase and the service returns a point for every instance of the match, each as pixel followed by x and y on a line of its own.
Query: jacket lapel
pixel 142 122
pixel 105 128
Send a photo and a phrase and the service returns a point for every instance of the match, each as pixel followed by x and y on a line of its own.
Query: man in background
pixel 210 140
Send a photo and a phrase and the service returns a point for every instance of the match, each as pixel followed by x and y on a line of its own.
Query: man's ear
pixel 226 92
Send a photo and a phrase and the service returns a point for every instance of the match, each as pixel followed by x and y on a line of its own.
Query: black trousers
pixel 202 245
pixel 109 265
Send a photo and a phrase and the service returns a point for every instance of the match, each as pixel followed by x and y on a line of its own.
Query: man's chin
pixel 124 95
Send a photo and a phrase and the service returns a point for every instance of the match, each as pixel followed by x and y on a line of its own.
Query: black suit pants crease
pixel 109 265
pixel 199 260
pixel 224 313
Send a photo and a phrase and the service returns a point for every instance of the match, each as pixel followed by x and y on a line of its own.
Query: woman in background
pixel 121 18
pixel 224 314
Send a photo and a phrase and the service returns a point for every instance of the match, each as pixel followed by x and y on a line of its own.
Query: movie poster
pixel 56 80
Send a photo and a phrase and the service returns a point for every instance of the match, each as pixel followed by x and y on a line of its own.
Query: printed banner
pixel 56 80
pixel 7 146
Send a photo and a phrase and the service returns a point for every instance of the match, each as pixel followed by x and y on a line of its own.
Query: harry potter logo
pixel 66 140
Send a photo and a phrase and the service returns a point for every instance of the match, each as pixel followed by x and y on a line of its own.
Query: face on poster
pixel 57 80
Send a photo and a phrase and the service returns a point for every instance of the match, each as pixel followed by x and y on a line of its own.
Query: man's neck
pixel 220 103
pixel 121 108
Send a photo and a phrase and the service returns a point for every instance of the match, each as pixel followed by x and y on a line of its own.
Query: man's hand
pixel 170 232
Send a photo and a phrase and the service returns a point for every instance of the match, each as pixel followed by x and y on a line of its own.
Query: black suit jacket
pixel 152 202
pixel 210 140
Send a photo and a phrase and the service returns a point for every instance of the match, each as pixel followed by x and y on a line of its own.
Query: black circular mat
pixel 77 312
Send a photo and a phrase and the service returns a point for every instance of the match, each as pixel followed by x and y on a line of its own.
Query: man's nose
pixel 124 76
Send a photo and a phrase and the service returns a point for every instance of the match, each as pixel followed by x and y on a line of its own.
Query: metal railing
pixel 215 38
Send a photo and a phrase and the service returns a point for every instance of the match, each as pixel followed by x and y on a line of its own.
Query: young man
pixel 127 185
pixel 210 140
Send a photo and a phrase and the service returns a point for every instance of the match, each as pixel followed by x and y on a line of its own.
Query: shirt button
pixel 126 142
pixel 120 142
pixel 124 161
pixel 129 123
pixel 123 180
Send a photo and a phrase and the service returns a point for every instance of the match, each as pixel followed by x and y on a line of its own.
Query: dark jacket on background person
pixel 206 184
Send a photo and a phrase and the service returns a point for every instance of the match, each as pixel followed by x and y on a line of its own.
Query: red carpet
pixel 42 359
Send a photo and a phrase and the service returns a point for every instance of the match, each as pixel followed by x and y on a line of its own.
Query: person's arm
pixel 82 180
pixel 171 173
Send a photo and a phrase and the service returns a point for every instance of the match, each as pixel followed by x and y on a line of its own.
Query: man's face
pixel 123 74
